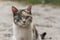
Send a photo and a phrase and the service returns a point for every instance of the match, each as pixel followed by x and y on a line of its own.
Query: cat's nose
pixel 24 20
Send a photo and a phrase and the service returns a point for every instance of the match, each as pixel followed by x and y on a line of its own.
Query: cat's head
pixel 22 17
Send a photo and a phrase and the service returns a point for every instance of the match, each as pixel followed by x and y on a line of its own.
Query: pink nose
pixel 24 20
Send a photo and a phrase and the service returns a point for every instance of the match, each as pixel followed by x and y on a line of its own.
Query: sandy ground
pixel 46 19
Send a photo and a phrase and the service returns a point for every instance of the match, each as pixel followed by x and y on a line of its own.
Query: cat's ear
pixel 29 8
pixel 14 9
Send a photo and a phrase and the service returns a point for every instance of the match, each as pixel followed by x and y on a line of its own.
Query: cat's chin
pixel 23 25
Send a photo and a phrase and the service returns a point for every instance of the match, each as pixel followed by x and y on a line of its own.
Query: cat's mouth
pixel 21 24
pixel 24 24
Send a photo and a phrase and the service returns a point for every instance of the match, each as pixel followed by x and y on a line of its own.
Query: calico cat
pixel 22 26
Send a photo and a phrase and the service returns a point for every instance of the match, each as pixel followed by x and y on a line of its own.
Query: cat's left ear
pixel 29 8
pixel 14 10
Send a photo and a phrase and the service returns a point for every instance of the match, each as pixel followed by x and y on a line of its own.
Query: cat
pixel 23 28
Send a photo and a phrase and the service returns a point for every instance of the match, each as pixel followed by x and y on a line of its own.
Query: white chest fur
pixel 22 33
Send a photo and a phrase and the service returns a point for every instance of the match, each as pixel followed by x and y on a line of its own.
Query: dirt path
pixel 46 19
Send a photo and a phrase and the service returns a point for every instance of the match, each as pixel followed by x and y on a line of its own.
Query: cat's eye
pixel 27 17
pixel 17 20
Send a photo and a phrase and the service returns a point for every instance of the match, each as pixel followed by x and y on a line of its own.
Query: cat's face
pixel 22 17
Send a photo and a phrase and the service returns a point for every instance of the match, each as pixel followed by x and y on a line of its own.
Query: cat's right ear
pixel 14 10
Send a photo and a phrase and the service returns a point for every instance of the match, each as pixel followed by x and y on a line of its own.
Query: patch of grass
pixel 30 1
pixel 56 2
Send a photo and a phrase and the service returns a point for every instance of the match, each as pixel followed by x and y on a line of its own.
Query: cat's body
pixel 21 33
pixel 23 28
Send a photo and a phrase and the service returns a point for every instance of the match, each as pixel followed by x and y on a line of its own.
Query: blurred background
pixel 46 17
